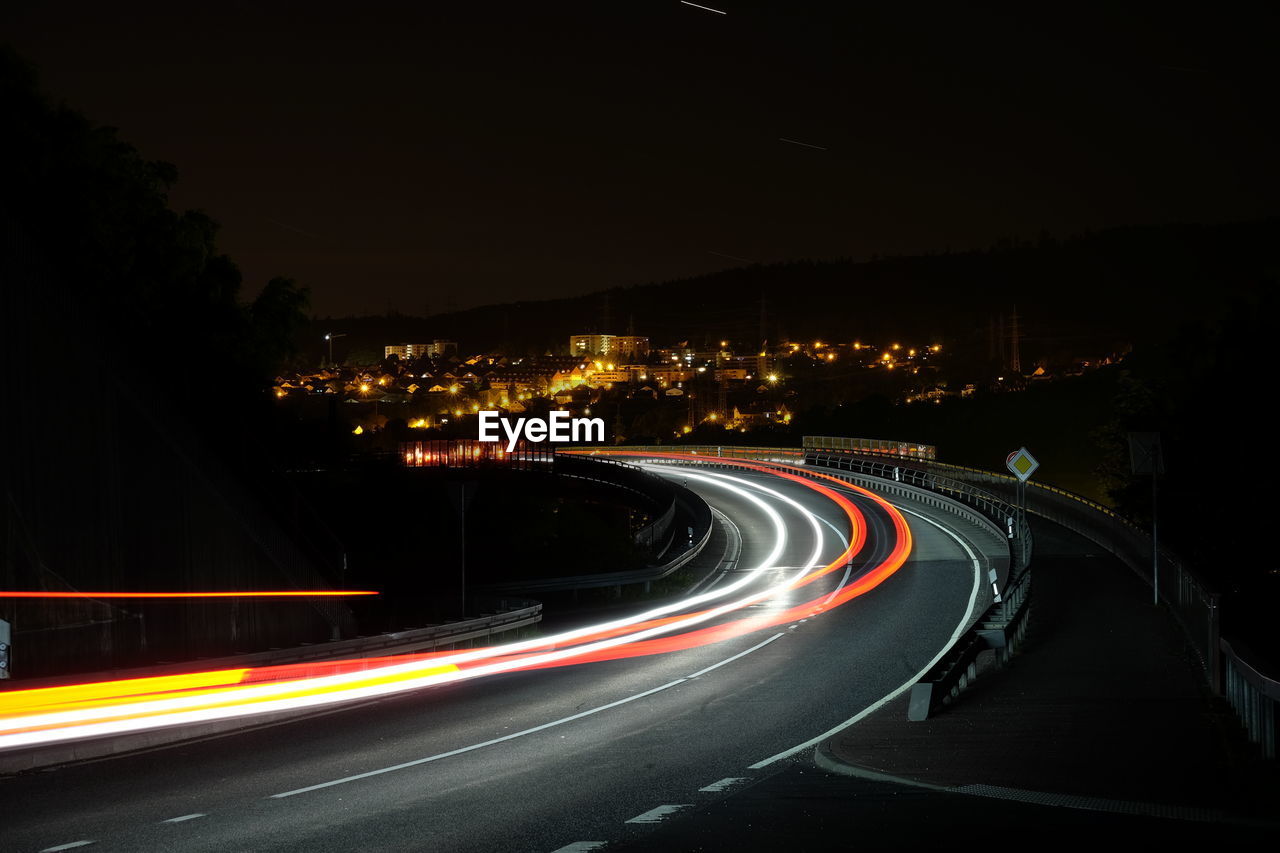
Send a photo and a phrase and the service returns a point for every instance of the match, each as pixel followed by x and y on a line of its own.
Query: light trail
pixel 52 714
pixel 289 593
pixel 704 8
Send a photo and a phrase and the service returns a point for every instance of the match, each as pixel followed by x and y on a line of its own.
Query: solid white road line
pixel 515 735
pixel 734 658
pixel 657 815
pixel 185 817
pixel 268 697
pixel 961 627
pixel 481 745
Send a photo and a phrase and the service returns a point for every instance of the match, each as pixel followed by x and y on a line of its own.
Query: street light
pixel 329 336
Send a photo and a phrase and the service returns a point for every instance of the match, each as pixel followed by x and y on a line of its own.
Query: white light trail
pixel 803 144
pixel 343 687
pixel 705 8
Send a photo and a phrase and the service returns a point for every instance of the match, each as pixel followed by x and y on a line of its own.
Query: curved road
pixel 547 758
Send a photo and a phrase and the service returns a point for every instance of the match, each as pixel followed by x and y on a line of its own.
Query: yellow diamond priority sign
pixel 1022 464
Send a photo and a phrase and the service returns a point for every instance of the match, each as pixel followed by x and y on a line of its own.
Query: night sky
pixel 422 156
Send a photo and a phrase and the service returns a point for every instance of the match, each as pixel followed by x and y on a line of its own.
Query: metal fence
pixel 1008 516
pixel 470 453
pixel 872 446
pixel 717 451
pixel 1194 604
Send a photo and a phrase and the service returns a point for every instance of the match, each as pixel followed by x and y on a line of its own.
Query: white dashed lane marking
pixel 184 817
pixel 723 784
pixel 657 815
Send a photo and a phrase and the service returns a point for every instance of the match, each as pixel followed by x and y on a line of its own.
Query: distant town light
pixel 358 431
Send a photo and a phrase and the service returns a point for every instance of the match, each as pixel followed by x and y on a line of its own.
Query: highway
pixel 569 752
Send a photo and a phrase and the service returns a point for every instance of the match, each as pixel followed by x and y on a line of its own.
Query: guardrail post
pixel 921 703
pixel 1214 651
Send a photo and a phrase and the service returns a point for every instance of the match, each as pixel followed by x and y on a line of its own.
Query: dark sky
pixel 422 155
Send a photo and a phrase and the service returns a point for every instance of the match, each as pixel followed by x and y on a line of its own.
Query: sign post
pixel 1146 456
pixel 1022 465
pixel 460 494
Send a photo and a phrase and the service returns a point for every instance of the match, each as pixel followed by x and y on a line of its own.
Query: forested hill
pixel 1113 286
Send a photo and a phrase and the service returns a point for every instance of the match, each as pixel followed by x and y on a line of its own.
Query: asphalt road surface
pixel 549 758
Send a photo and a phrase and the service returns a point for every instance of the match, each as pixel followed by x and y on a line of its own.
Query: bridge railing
pixel 717 451
pixel 670 549
pixel 1003 513
pixel 1196 606
pixel 1189 597
pixel 1194 603
pixel 871 446
pixel 1003 626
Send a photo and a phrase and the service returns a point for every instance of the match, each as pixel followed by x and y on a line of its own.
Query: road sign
pixel 1145 454
pixel 1022 464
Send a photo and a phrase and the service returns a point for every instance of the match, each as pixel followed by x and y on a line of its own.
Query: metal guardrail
pixel 661 529
pixel 717 451
pixel 1254 698
pixel 872 446
pixel 1253 695
pixel 656 535
pixel 540 458
pixel 510 615
pixel 1193 603
pixel 1002 628
pixel 1005 514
